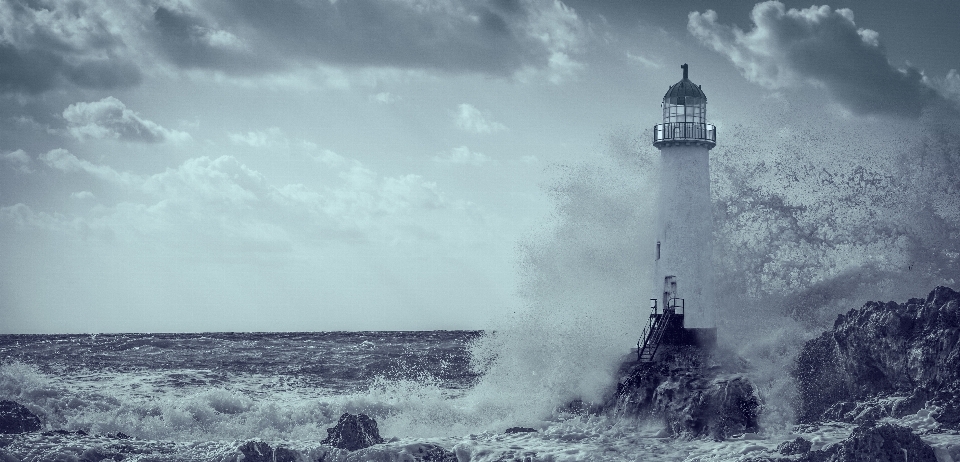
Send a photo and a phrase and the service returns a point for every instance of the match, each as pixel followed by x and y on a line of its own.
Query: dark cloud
pixel 191 41
pixel 44 45
pixel 820 46
pixel 499 37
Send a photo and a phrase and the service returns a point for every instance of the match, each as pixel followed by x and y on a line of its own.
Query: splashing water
pixel 810 221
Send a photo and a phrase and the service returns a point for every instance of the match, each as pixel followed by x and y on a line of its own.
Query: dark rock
pixel 120 436
pixel 433 453
pixel 16 418
pixel 519 430
pixel 284 455
pixel 797 446
pixel 6 457
pixel 878 443
pixel 518 456
pixel 256 451
pixel 99 454
pixel 884 359
pixel 692 390
pixel 353 432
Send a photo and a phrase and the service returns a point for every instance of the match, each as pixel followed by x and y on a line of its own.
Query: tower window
pixel 658 250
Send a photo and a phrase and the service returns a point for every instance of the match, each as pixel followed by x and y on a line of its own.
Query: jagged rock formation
pixel 867 443
pixel 16 418
pixel 694 391
pixel 353 432
pixel 884 359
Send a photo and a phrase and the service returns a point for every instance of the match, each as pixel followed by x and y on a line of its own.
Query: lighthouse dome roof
pixel 684 88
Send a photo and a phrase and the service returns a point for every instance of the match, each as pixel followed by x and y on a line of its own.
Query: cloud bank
pixel 818 46
pixel 46 45
pixel 49 44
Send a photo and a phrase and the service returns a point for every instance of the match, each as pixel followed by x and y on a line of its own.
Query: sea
pixel 199 397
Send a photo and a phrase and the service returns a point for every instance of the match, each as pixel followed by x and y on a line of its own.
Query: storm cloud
pixel 44 45
pixel 498 37
pixel 818 46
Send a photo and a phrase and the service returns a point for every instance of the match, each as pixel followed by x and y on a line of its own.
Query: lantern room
pixel 684 116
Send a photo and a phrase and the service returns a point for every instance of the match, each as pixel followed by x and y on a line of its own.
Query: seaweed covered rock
pixel 884 359
pixel 353 432
pixel 694 393
pixel 16 418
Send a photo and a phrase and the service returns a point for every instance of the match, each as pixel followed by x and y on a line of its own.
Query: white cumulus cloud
pixel 471 119
pixel 384 97
pixel 789 48
pixel 464 156
pixel 109 118
pixel 19 159
pixel 271 137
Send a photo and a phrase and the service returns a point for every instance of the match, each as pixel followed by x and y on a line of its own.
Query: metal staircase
pixel 653 332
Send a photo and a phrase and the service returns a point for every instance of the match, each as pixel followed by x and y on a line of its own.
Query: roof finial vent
pixel 685 67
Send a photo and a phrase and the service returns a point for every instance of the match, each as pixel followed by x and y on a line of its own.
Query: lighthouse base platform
pixel 666 328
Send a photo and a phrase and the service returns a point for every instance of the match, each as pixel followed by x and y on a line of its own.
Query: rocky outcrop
pixel 884 359
pixel 867 443
pixel 16 418
pixel 693 391
pixel 353 432
pixel 258 451
pixel 519 430
pixel 797 446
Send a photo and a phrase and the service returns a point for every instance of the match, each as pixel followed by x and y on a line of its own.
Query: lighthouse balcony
pixel 684 134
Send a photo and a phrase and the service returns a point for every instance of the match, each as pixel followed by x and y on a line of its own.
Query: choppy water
pixel 198 397
pixel 253 364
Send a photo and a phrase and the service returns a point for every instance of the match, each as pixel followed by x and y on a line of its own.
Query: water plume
pixel 584 285
pixel 813 216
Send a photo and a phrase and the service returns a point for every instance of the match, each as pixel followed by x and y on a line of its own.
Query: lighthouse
pixel 685 312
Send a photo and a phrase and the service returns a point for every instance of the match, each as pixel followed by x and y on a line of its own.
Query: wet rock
pixel 693 391
pixel 353 432
pixel 16 418
pixel 797 446
pixel 884 359
pixel 282 454
pixel 431 453
pixel 256 451
pixel 518 456
pixel 520 430
pixel 417 452
pixel 876 443
pixel 99 454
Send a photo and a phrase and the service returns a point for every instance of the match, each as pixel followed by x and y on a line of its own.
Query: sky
pixel 190 166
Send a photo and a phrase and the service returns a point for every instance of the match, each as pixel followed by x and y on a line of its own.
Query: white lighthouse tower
pixel 686 312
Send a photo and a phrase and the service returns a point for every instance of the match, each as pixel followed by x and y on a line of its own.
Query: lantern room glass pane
pixel 690 113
